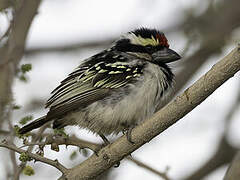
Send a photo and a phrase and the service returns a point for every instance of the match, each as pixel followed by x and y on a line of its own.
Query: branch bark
pixel 233 171
pixel 12 51
pixel 163 119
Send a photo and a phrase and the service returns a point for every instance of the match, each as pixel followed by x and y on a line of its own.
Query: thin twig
pixel 53 163
pixel 224 154
pixel 233 171
pixel 145 166
pixel 68 48
pixel 74 141
pixel 4 132
pixel 60 140
pixel 36 138
pixel 12 153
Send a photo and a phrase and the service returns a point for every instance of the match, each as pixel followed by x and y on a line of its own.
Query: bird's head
pixel 149 44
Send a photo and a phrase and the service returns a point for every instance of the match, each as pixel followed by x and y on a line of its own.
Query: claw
pixel 129 135
pixel 105 140
pixel 117 165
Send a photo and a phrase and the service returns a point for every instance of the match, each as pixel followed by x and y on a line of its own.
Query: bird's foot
pixel 105 140
pixel 117 165
pixel 128 132
pixel 129 135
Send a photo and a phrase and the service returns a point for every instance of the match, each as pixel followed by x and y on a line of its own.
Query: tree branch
pixel 29 149
pixel 233 171
pixel 212 40
pixel 223 155
pixel 53 163
pixel 12 51
pixel 163 119
pixel 141 164
pixel 60 140
pixel 68 48
pixel 225 151
pixel 74 141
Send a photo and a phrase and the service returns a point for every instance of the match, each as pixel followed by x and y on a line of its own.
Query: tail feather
pixel 33 125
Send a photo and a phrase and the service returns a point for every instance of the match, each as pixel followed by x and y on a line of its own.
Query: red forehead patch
pixel 162 40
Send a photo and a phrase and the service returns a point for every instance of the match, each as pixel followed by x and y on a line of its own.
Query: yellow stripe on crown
pixel 144 41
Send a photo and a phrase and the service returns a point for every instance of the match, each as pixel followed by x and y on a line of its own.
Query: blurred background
pixel 63 33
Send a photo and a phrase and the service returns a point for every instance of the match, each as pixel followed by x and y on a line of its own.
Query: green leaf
pixel 21 136
pixel 73 155
pixel 25 119
pixel 26 68
pixel 28 170
pixel 16 107
pixel 84 152
pixel 23 78
pixel 24 157
pixel 60 132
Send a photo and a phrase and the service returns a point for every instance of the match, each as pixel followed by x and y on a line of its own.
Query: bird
pixel 116 89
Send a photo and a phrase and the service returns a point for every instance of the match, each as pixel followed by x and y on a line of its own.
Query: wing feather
pixel 87 84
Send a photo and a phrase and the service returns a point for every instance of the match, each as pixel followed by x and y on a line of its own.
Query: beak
pixel 166 55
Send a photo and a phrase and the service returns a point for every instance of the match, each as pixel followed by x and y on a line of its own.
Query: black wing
pixel 89 84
